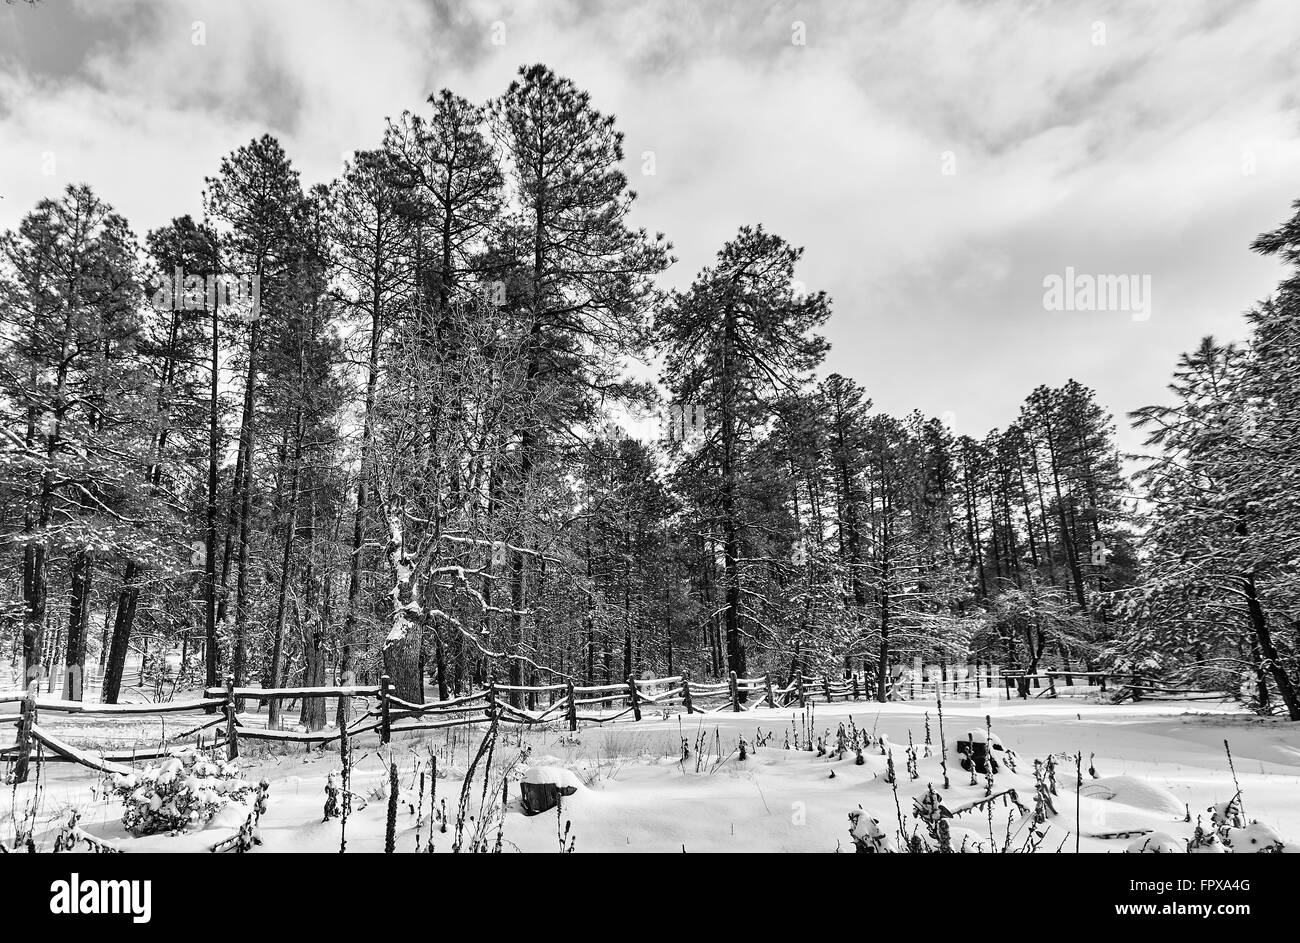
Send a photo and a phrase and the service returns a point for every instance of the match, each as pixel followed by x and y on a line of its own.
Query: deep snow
pixel 1154 762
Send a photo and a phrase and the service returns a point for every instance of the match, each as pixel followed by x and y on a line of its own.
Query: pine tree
pixel 172 343
pixel 373 251
pixel 256 197
pixel 734 342
pixel 583 271
pixel 73 382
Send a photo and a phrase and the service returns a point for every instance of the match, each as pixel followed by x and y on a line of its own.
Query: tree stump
pixel 542 787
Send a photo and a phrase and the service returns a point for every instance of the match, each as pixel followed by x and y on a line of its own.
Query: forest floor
pixel 1154 762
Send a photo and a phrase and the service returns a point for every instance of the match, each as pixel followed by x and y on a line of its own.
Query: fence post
pixel 232 739
pixel 735 692
pixel 767 683
pixel 799 688
pixel 25 722
pixel 686 693
pixel 633 697
pixel 343 737
pixel 572 710
pixel 1051 685
pixel 385 718
pixel 491 698
pixel 826 687
pixel 343 718
pixel 854 676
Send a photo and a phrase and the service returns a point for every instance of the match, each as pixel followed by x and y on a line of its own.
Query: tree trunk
pixel 312 715
pixel 291 529
pixel 243 521
pixel 126 605
pixel 402 646
pixel 78 622
pixel 1259 623
pixel 367 437
pixel 210 653
pixel 730 530
pixel 886 574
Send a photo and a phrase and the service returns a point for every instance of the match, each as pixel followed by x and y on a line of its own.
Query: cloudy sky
pixel 937 160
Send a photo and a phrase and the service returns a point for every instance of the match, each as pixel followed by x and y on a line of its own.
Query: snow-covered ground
pixel 1154 762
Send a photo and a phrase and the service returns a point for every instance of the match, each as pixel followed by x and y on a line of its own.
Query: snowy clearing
pixel 1153 763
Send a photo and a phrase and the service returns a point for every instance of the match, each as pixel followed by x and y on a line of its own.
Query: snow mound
pixel 231 815
pixel 1254 838
pixel 967 841
pixel 1137 793
pixel 1157 843
pixel 546 759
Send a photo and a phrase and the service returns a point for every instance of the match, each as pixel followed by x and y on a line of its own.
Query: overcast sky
pixel 937 161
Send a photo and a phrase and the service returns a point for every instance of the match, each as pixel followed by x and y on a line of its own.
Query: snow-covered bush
pixel 182 792
pixel 1205 842
pixel 868 837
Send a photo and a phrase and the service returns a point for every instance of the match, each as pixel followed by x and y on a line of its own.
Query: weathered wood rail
pixel 566 704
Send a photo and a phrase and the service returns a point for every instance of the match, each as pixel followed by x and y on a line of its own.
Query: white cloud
pixel 1123 158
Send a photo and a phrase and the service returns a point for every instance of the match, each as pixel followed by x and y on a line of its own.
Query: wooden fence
pixel 1120 685
pixel 389 714
pixel 567 704
pixel 1010 684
